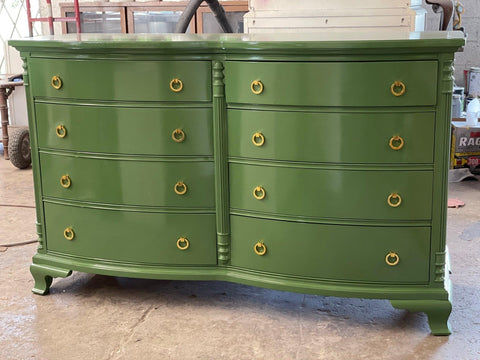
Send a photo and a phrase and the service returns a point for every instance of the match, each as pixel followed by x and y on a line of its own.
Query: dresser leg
pixel 43 276
pixel 437 311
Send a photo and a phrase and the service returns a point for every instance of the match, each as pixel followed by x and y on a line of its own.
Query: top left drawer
pixel 121 80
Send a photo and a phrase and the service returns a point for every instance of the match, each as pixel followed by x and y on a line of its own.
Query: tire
pixel 19 148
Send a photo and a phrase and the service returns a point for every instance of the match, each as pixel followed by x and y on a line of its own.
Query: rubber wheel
pixel 19 148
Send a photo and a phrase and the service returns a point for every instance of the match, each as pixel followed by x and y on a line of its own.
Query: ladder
pixel 50 19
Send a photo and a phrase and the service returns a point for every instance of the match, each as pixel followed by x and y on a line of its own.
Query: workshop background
pixel 98 317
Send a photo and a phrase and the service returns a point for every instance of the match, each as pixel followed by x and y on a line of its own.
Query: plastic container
pixel 473 112
pixel 456 106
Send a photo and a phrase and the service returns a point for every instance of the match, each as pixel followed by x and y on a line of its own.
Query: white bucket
pixel 474 82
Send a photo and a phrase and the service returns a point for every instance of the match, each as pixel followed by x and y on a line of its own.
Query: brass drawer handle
pixel 56 82
pixel 257 87
pixel 180 188
pixel 392 258
pixel 183 243
pixel 68 233
pixel 65 181
pixel 178 135
pixel 259 193
pixel 61 131
pixel 260 248
pixel 396 139
pixel 258 139
pixel 395 86
pixel 396 197
pixel 176 85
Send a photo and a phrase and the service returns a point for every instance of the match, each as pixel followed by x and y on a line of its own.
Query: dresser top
pixel 423 41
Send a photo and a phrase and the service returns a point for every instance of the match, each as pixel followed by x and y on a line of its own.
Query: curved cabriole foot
pixel 43 276
pixel 437 311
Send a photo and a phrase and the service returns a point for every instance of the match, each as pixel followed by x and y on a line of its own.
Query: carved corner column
pixel 221 164
pixel 35 158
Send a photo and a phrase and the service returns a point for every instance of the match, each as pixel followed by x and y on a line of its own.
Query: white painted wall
pixel 17 100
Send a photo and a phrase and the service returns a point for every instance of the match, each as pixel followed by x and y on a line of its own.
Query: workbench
pixel 6 89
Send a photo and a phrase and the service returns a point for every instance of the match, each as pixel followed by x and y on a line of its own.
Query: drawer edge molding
pixel 129 104
pixel 66 264
pixel 126 157
pixel 128 208
pixel 331 221
pixel 330 166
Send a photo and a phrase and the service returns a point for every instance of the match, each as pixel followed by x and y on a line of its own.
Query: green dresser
pixel 303 163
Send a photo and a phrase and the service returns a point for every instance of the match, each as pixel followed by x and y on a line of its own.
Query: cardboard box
pixel 465 150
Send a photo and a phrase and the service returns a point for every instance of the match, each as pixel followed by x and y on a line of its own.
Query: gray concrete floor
pixel 97 317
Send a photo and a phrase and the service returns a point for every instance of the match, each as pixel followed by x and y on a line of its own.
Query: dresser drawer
pixel 139 80
pixel 332 83
pixel 125 130
pixel 332 193
pixel 139 237
pixel 332 252
pixel 128 181
pixel 383 138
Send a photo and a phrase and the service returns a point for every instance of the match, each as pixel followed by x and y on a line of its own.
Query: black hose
pixel 191 9
pixel 220 15
pixel 19 243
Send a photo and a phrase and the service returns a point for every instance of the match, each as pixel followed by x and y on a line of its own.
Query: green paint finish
pixel 437 311
pixel 125 130
pixel 131 236
pixel 121 80
pixel 43 276
pixel 385 43
pixel 332 137
pixel 325 193
pixel 332 84
pixel 327 113
pixel 332 252
pixel 128 182
pixel 221 164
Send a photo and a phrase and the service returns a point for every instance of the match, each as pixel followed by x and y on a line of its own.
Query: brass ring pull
pixel 396 139
pixel 259 193
pixel 185 243
pixel 259 84
pixel 176 85
pixel 65 181
pixel 178 135
pixel 56 82
pixel 61 131
pixel 68 233
pixel 392 259
pixel 180 188
pixel 395 85
pixel 258 139
pixel 260 248
pixel 394 196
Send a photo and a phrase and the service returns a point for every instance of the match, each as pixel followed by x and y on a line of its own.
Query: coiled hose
pixel 192 7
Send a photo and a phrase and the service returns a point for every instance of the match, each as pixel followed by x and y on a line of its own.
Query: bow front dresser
pixel 308 163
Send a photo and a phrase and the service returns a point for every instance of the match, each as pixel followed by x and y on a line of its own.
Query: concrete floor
pixel 98 317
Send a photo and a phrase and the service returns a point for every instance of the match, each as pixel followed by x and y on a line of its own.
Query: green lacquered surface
pixel 122 79
pixel 43 276
pixel 136 237
pixel 332 252
pixel 125 130
pixel 438 312
pixel 332 137
pixel 331 193
pixel 129 181
pixel 384 42
pixel 318 209
pixel 332 84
